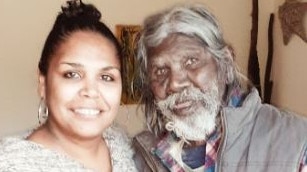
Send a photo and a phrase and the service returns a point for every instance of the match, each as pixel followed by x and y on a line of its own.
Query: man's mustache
pixel 188 94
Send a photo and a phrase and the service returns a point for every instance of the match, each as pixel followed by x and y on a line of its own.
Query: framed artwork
pixel 128 36
pixel 291 15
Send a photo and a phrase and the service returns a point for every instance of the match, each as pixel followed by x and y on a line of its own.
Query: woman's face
pixel 83 85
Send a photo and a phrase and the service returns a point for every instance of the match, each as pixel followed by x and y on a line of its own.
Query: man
pixel 204 115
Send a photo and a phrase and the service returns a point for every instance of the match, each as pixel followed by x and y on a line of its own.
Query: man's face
pixel 183 78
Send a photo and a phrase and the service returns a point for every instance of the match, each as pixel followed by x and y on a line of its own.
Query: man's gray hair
pixel 194 21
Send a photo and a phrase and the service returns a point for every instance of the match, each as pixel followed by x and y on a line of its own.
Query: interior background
pixel 25 25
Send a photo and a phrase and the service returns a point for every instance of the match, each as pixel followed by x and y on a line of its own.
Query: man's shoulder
pixel 144 143
pixel 279 123
pixel 146 139
pixel 280 114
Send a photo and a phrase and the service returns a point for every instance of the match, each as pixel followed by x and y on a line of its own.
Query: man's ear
pixel 41 85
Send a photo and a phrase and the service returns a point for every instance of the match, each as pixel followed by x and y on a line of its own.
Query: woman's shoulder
pixel 116 131
pixel 16 143
pixel 117 138
pixel 121 151
pixel 14 150
pixel 12 144
pixel 19 154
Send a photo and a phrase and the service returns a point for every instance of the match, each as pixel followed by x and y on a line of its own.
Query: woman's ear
pixel 41 85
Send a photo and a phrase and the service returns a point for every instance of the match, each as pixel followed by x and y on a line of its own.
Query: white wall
pixel 26 23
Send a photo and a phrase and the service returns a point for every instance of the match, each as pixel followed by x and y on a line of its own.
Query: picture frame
pixel 128 36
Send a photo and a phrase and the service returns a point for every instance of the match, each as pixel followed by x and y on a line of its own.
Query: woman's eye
pixel 72 75
pixel 107 78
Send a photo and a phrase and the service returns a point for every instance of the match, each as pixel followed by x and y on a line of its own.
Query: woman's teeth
pixel 87 112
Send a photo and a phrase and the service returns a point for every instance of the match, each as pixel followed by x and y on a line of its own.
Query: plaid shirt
pixel 303 166
pixel 173 164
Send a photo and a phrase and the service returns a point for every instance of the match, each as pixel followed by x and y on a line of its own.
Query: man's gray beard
pixel 200 123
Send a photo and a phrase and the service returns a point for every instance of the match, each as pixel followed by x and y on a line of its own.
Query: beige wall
pixel 289 69
pixel 289 62
pixel 25 25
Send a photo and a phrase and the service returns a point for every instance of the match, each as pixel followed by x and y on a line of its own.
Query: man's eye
pixel 72 75
pixel 161 72
pixel 107 78
pixel 190 61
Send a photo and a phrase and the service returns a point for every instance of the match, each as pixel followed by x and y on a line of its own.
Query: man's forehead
pixel 176 44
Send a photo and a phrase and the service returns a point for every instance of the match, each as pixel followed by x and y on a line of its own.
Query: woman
pixel 80 87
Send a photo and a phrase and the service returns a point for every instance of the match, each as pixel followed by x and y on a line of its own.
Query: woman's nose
pixel 90 89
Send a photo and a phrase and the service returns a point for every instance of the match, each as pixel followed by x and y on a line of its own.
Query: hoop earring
pixel 42 111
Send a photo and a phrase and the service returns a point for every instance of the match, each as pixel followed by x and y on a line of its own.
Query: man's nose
pixel 179 80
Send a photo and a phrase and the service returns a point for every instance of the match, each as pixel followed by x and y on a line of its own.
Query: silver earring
pixel 42 111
